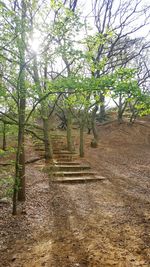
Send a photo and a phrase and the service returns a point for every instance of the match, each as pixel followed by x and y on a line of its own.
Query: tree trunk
pixel 47 140
pixel 120 120
pixel 89 130
pixel 120 112
pixel 19 183
pixel 133 111
pixel 81 149
pixel 69 131
pixel 102 114
pixel 20 158
pixel 4 136
pixel 20 164
pixel 44 111
pixel 94 129
pixel 47 137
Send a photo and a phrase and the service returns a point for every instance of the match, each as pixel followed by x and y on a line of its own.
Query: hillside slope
pixel 98 224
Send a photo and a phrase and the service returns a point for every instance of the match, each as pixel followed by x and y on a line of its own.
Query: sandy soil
pixel 105 223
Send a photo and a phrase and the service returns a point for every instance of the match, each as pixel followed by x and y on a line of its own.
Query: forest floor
pixel 104 223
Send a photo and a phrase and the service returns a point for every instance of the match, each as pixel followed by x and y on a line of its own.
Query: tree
pixel 121 19
pixel 125 89
pixel 21 90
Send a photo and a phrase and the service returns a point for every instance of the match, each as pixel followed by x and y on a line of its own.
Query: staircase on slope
pixel 60 151
pixel 66 166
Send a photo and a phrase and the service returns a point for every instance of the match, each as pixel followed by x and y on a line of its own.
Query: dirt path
pixel 98 224
pixel 84 225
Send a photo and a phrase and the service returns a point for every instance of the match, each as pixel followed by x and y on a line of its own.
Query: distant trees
pixel 118 23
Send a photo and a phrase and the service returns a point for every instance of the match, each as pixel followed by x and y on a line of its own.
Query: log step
pixel 57 144
pixel 66 163
pixel 65 157
pixel 60 155
pixel 72 180
pixel 73 173
pixel 65 152
pixel 70 167
pixel 56 151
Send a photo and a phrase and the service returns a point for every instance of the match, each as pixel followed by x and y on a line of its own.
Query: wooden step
pixel 70 167
pixel 65 152
pixel 72 180
pixel 67 163
pixel 57 143
pixel 39 149
pixel 65 156
pixel 60 158
pixel 58 139
pixel 73 173
pixel 54 139
pixel 55 151
pixel 52 135
pixel 69 160
pixel 58 155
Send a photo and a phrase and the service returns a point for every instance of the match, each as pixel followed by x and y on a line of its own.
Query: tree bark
pixel 94 129
pixel 19 184
pixel 44 113
pixel 81 149
pixel 4 136
pixel 120 113
pixel 20 164
pixel 121 109
pixel 102 114
pixel 47 140
pixel 69 131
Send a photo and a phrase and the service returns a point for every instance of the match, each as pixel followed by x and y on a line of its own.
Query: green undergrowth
pixel 6 182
